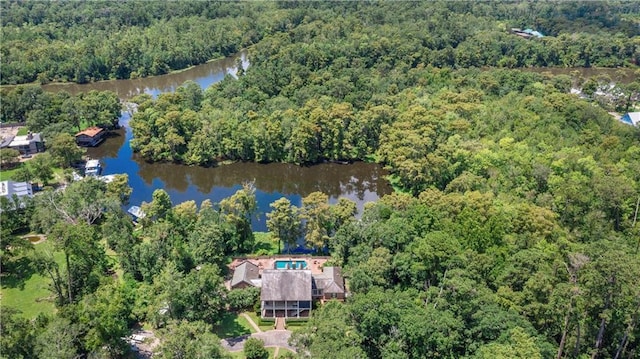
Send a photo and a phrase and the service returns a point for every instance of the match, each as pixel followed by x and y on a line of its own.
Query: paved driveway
pixel 271 338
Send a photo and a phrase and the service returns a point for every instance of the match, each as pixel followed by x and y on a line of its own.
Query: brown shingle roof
pixel 91 131
pixel 244 272
pixel 330 281
pixel 283 284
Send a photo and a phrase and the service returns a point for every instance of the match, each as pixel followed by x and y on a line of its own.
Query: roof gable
pixel 91 131
pixel 25 140
pixel 330 281
pixel 245 273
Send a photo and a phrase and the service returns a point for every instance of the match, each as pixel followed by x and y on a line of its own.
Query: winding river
pixel 360 182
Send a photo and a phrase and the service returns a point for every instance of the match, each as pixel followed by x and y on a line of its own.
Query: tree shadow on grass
pixel 230 328
pixel 17 271
pixel 264 248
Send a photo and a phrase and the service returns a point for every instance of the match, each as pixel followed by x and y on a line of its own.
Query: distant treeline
pixel 88 41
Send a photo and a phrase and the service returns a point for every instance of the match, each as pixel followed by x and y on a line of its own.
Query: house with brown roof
pixel 286 293
pixel 245 275
pixel 329 284
pixel 91 136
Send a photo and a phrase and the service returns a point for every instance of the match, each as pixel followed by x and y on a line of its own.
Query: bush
pixel 242 299
pixel 254 349
pixel 287 355
pixel 257 307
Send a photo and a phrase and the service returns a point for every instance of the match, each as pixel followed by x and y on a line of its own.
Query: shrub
pixel 254 349
pixel 241 299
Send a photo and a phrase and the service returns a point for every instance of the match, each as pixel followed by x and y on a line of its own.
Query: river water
pixel 204 75
pixel 360 182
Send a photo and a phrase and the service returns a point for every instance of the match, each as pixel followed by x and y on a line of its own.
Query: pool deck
pixel 313 263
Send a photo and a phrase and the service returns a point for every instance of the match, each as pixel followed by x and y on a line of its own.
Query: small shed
pixel 136 213
pixel 631 118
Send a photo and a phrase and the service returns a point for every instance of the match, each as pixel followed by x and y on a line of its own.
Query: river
pixel 360 182
pixel 204 75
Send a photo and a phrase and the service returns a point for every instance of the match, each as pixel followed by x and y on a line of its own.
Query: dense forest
pixel 83 41
pixel 512 234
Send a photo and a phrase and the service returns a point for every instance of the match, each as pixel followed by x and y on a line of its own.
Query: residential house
pixel 286 293
pixel 329 284
pixel 90 137
pixel 136 213
pixel 19 190
pixel 6 141
pixel 631 118
pixel 246 274
pixel 28 144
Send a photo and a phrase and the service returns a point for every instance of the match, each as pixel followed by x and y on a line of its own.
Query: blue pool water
pixel 291 264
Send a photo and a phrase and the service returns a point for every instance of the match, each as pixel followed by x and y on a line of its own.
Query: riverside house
pixel 289 285
pixel 90 137
pixel 286 293
pixel 28 144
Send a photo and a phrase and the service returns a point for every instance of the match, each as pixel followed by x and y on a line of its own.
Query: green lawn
pixel 22 131
pixel 8 174
pixel 233 325
pixel 58 174
pixel 264 327
pixel 295 326
pixel 29 292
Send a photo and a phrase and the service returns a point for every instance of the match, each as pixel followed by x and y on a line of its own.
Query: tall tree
pixel 183 339
pixel 284 222
pixel 41 166
pixel 64 150
pixel 84 258
pixel 317 215
pixel 238 210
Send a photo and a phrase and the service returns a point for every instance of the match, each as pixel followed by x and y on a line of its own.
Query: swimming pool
pixel 292 264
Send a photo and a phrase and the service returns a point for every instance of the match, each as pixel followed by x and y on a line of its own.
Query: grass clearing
pixel 29 291
pixel 296 325
pixel 232 325
pixel 264 245
pixel 264 326
pixel 6 175
pixel 23 131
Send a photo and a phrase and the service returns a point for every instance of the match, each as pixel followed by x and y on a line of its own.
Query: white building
pixel 9 189
pixel 92 168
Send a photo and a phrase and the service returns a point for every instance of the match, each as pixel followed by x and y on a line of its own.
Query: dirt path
pixel 276 352
pixel 253 324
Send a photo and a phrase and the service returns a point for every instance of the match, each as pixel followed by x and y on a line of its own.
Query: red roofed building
pixel 90 137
